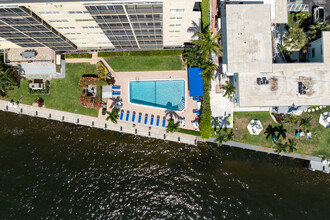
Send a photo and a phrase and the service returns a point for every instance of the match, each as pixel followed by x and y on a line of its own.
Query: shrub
pixel 97 103
pixel 77 55
pixel 205 5
pixel 85 81
pixel 102 70
pixel 40 101
pixel 85 100
pixel 205 119
pixel 141 53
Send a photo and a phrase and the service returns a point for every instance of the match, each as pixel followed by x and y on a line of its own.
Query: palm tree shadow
pixel 270 131
pixel 114 101
pixel 280 131
pixel 195 28
pixel 171 113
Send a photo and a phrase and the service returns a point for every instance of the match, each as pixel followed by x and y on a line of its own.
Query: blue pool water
pixel 168 94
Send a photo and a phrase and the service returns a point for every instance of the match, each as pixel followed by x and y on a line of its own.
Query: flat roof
pixel 282 89
pixel 281 11
pixel 249 45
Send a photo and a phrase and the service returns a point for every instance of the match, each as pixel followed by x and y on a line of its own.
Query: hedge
pixel 78 55
pixel 141 53
pixel 41 92
pixel 205 125
pixel 205 5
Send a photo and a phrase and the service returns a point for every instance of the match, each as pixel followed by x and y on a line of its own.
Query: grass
pixel 145 63
pixel 318 145
pixel 64 93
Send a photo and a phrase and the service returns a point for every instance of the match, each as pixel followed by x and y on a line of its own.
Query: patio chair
pixel 197 111
pixel 259 81
pixel 121 115
pixel 127 115
pixel 140 117
pixel 264 80
pixel 133 117
pixel 116 93
pixel 145 119
pixel 115 87
pixel 197 98
pixel 182 122
pixel 164 122
pixel 152 120
pixel 158 120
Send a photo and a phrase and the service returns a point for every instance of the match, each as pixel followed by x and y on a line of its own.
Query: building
pixel 249 54
pixel 65 25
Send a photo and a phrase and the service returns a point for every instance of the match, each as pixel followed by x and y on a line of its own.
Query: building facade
pixel 98 25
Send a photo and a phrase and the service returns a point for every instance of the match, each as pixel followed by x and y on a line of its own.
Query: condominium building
pixel 64 25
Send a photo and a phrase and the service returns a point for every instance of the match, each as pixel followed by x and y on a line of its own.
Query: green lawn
pixel 64 93
pixel 145 63
pixel 318 145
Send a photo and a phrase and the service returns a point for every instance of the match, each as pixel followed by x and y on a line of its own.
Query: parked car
pixel 318 14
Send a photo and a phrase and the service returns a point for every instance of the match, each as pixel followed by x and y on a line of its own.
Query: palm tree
pixel 192 57
pixel 281 131
pixel 295 39
pixel 208 70
pixel 113 115
pixel 301 17
pixel 224 136
pixel 207 44
pixel 315 30
pixel 172 126
pixel 305 122
pixel 229 88
pixel 280 147
pixel 291 145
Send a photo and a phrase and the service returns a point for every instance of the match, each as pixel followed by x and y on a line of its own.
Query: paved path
pixel 90 121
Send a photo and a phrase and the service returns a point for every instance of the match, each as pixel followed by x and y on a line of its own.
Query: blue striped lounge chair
pixel 164 122
pixel 197 111
pixel 133 117
pixel 115 87
pixel 145 119
pixel 158 120
pixel 152 120
pixel 116 93
pixel 121 115
pixel 197 98
pixel 127 115
pixel 140 117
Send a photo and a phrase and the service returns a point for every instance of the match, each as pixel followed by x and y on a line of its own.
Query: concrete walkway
pixel 90 121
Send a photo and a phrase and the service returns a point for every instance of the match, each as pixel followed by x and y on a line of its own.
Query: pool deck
pixel 123 79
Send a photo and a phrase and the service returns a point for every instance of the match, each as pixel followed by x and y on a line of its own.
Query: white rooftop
pixel 37 68
pixel 249 45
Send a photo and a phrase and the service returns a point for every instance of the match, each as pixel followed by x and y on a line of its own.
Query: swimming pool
pixel 167 94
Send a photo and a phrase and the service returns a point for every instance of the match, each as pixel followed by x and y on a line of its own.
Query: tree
pixel 172 126
pixel 281 131
pixel 208 70
pixel 291 145
pixel 280 147
pixel 305 122
pixel 295 39
pixel 192 57
pixel 113 115
pixel 315 30
pixel 301 17
pixel 6 81
pixel 229 88
pixel 224 136
pixel 207 44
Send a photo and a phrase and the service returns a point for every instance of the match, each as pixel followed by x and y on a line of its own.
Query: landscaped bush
pixel 40 101
pixel 205 5
pixel 205 119
pixel 41 92
pixel 89 101
pixel 78 55
pixel 102 70
pixel 141 53
pixel 85 81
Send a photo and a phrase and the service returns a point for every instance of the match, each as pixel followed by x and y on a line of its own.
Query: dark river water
pixel 56 170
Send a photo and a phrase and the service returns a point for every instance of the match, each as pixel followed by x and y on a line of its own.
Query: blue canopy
pixel 195 82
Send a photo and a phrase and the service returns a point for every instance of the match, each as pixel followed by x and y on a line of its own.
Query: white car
pixel 318 14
